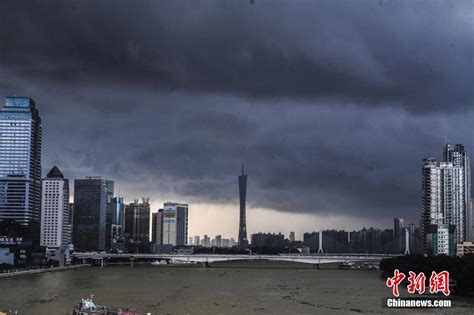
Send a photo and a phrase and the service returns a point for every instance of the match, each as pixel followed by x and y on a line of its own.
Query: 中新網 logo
pixel 438 282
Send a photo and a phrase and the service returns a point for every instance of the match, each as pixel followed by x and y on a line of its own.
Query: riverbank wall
pixel 42 270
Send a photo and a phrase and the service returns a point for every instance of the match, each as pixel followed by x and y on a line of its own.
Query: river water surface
pixel 237 288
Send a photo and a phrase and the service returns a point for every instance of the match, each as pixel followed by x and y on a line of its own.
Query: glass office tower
pixel 115 221
pixel 20 167
pixel 137 221
pixel 90 208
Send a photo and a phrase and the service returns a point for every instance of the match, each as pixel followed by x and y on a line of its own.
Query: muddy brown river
pixel 225 288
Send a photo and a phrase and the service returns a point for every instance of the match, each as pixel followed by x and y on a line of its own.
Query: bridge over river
pixel 206 259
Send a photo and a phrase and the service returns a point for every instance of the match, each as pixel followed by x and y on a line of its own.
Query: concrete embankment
pixel 33 271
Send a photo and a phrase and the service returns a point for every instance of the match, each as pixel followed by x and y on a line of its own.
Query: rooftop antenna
pixel 242 168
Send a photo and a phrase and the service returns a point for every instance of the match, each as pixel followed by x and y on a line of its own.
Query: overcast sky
pixel 331 105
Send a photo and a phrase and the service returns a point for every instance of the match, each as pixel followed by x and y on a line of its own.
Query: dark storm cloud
pixel 331 104
pixel 418 55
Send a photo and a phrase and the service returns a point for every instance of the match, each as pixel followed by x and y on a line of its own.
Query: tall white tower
pixel 407 242
pixel 55 211
pixel 320 249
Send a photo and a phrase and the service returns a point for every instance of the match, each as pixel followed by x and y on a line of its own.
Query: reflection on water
pixel 265 288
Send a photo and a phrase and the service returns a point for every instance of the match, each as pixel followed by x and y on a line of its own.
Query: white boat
pixel 156 263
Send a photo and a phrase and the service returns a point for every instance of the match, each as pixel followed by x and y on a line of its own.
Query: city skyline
pixel 140 230
pixel 443 215
pixel 331 131
pixel 247 157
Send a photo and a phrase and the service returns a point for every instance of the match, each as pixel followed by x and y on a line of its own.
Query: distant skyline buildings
pixel 217 241
pixel 268 240
pixel 398 233
pixel 115 231
pixel 101 220
pixel 292 236
pixel 20 165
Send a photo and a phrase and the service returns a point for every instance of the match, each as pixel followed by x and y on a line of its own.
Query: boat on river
pixel 348 265
pixel 88 307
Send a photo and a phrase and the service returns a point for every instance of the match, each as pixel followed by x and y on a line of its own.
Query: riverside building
pixel 442 207
pixel 20 167
pixel 56 216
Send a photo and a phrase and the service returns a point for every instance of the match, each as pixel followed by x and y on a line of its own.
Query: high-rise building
pixel 71 209
pixel 196 240
pixel 182 224
pixel 412 239
pixel 386 241
pixel 398 235
pixel 20 166
pixel 175 223
pixel 452 181
pixel 55 214
pixel 115 222
pixel 431 200
pixel 157 227
pixel 137 221
pixel 457 155
pixel 442 206
pixel 226 242
pixel 219 240
pixel 243 241
pixel 90 208
pixel 268 240
pixel 206 241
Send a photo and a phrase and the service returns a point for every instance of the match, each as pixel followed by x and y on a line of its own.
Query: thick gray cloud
pixel 416 55
pixel 331 104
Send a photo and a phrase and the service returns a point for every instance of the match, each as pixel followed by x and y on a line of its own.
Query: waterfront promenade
pixel 14 273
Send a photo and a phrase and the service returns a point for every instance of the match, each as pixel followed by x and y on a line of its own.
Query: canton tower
pixel 243 242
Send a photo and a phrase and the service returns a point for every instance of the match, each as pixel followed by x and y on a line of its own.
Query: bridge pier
pixel 102 263
pixel 316 266
pixel 131 262
pixel 205 264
